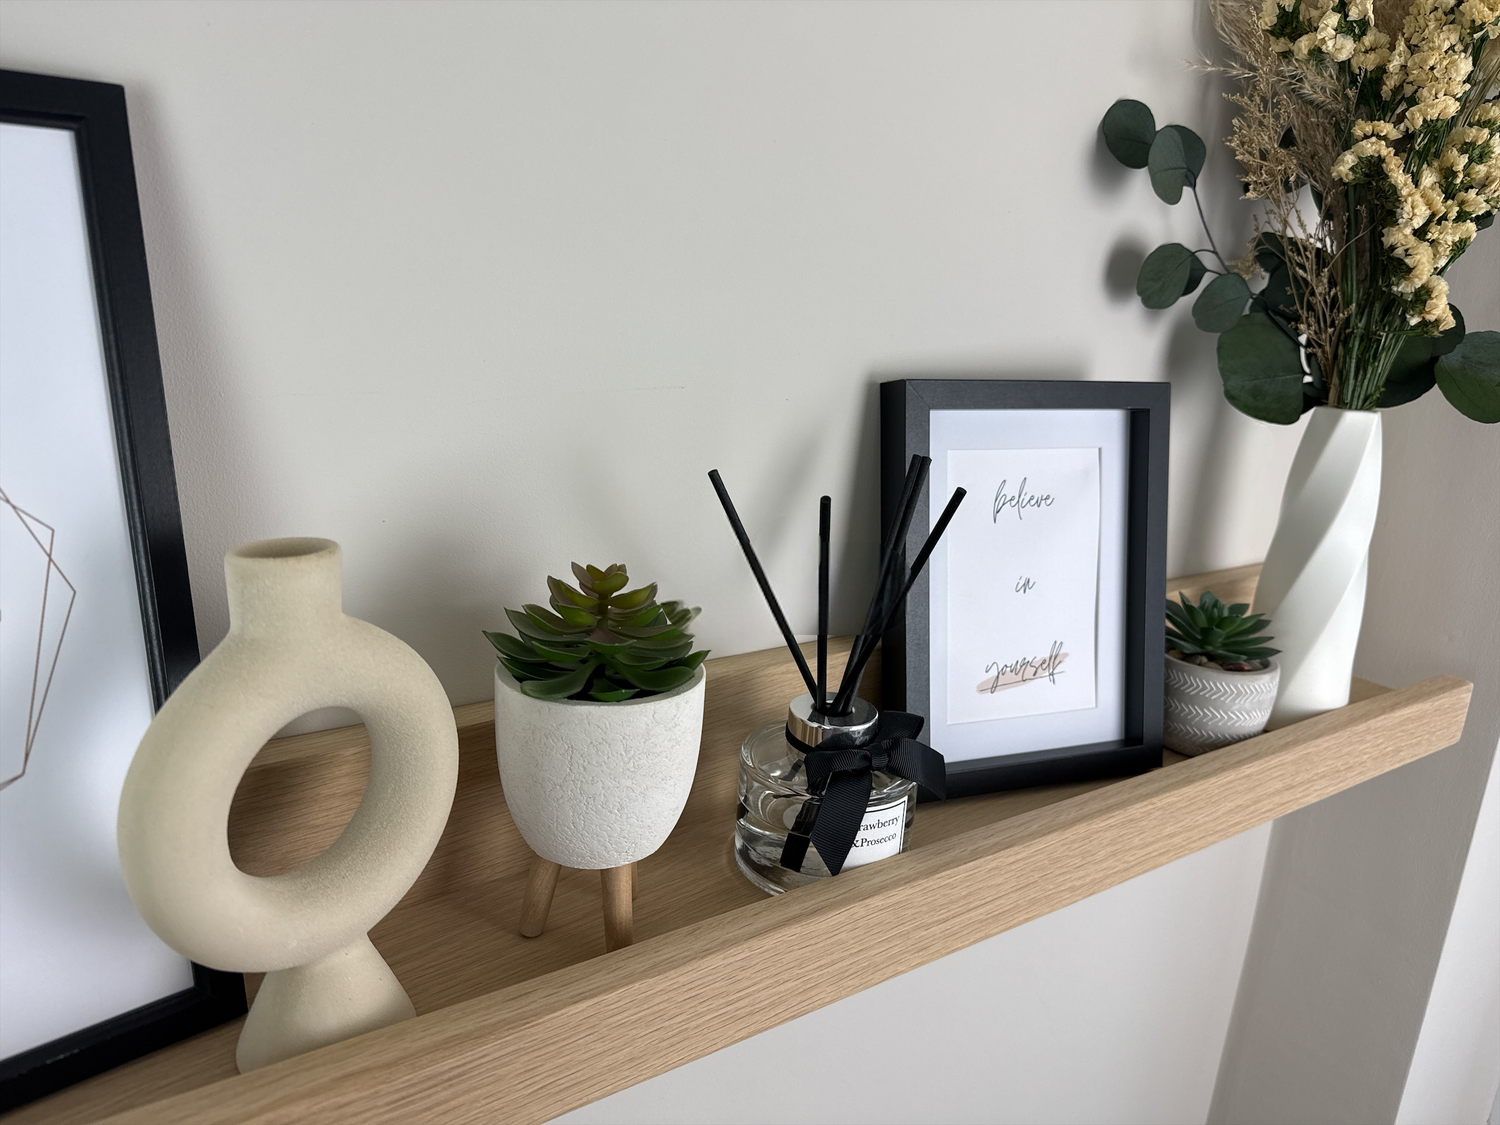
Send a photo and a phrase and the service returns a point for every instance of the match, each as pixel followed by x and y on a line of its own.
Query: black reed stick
pixel 895 533
pixel 927 548
pixel 888 576
pixel 765 583
pixel 820 700
pixel 855 669
pixel 908 485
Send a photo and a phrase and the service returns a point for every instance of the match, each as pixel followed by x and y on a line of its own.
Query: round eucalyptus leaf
pixel 1196 271
pixel 1174 162
pixel 1445 342
pixel 1165 275
pixel 1193 151
pixel 1222 302
pixel 1129 128
pixel 1469 376
pixel 1414 370
pixel 1261 369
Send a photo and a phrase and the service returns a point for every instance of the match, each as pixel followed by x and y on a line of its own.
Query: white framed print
pixel 96 618
pixel 1031 645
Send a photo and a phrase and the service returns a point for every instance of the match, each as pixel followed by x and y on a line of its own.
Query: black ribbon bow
pixel 838 774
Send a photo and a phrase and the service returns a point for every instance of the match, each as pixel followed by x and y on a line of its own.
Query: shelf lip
pixel 541 1047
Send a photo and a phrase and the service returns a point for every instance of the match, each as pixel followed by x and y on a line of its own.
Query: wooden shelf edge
pixel 550 1044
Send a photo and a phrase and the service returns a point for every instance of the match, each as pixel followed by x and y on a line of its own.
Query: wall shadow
pixel 219 480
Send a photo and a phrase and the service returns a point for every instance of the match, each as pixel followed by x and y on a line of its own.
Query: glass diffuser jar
pixel 776 802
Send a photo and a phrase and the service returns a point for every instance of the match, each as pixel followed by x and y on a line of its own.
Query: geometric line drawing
pixel 43 535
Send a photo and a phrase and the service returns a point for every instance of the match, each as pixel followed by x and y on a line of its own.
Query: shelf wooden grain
pixel 512 1029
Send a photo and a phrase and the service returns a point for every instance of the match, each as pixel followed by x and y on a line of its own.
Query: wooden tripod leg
pixel 619 923
pixel 539 890
pixel 635 879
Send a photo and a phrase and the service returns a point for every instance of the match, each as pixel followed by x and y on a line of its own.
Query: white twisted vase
pixel 1312 585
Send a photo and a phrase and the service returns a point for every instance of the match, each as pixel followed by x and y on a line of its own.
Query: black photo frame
pixel 95 114
pixel 906 406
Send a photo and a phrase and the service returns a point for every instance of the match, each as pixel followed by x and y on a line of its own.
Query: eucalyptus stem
pixel 1207 233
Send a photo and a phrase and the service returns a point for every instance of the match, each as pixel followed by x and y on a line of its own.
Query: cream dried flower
pixel 1384 129
pixel 1435 311
pixel 1479 14
pixel 1412 252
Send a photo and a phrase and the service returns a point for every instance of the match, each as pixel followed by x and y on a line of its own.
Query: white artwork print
pixel 1023 582
pixel 75 689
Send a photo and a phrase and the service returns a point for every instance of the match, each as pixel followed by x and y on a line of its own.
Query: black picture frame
pixel 905 409
pixel 95 113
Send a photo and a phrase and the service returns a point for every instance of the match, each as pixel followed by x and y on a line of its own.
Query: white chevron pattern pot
pixel 1312 585
pixel 1207 708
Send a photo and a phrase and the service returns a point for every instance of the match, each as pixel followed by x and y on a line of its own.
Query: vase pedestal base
pixel 349 992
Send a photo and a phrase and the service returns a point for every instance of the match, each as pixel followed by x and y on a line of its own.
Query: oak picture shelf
pixel 511 1029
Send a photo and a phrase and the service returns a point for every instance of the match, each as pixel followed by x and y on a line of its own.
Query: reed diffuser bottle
pixel 835 786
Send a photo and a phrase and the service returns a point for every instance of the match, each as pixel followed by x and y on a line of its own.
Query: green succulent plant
pixel 1221 633
pixel 599 641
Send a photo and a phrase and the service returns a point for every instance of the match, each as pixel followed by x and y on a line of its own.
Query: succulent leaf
pixel 1221 633
pixel 635 660
pixel 674 650
pixel 560 687
pixel 561 591
pixel 633 598
pixel 521 670
pixel 660 679
pixel 612 583
pixel 613 695
pixel 637 620
pixel 540 615
pixel 560 654
pixel 529 628
pixel 575 615
pixel 596 643
pixel 506 645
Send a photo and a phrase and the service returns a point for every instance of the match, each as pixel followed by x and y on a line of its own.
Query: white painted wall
pixel 477 289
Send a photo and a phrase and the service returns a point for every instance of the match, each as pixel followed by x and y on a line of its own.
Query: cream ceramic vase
pixel 1312 585
pixel 597 785
pixel 290 649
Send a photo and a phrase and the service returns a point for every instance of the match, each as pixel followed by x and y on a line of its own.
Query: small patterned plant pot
pixel 1207 708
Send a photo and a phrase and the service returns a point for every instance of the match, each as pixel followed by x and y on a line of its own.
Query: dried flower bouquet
pixel 1385 115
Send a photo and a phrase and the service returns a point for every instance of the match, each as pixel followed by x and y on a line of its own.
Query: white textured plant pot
pixel 595 785
pixel 1207 708
pixel 1312 585
pixel 290 650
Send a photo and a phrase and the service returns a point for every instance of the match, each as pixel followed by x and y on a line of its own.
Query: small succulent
pixel 598 643
pixel 1218 633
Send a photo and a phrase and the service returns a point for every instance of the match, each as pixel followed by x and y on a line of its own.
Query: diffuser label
pixel 880 834
pixel 1023 582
